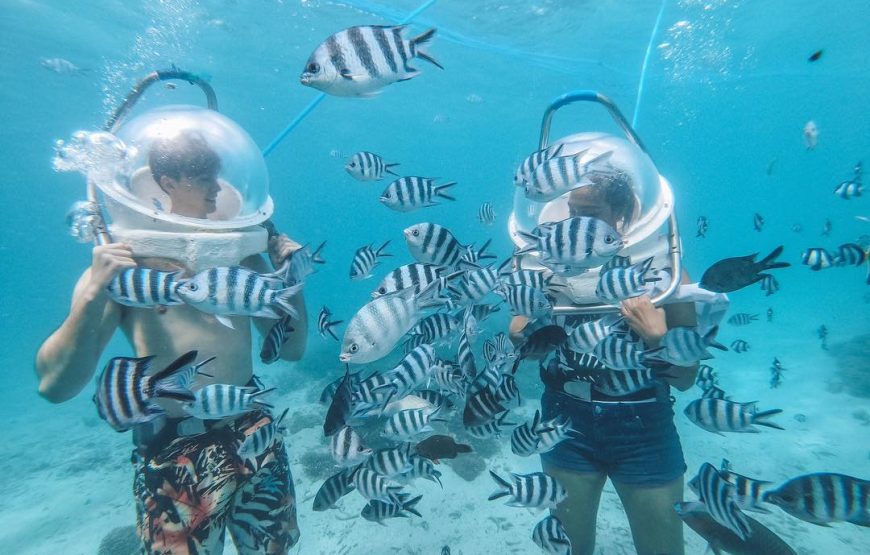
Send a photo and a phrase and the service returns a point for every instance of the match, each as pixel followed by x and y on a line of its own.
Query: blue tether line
pixel 649 48
pixel 313 104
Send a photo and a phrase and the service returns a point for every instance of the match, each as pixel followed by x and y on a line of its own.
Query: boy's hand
pixel 107 261
pixel 280 247
pixel 648 321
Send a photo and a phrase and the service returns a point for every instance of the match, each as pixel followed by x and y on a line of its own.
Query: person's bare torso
pixel 169 332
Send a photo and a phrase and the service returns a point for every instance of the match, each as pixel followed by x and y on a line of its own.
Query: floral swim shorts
pixel 195 488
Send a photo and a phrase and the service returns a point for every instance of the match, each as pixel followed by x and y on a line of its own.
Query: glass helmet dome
pixel 189 140
pixel 647 206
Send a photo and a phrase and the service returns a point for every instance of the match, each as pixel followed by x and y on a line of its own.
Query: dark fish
pixel 275 339
pixel 761 541
pixel 441 447
pixel 814 57
pixel 340 407
pixel 540 343
pixel 731 274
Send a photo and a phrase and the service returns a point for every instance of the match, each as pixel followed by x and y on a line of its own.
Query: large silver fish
pixel 379 325
pixel 360 61
pixel 580 241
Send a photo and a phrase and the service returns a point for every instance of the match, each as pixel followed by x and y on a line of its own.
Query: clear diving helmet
pixel 640 201
pixel 200 158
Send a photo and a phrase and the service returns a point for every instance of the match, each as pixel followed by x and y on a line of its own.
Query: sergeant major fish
pixel 532 161
pixel 536 490
pixel 617 284
pixel 434 244
pixel 144 287
pixel 579 241
pixel 360 61
pixel 365 259
pixel 717 495
pixel 551 536
pixel 125 390
pixel 824 497
pixel 275 340
pixel 720 415
pixel 557 176
pixel 219 400
pixel 409 193
pixel 325 325
pixel 368 166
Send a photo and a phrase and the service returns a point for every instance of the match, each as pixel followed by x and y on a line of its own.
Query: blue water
pixel 726 92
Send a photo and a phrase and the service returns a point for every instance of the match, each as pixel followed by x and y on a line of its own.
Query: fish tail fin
pixel 410 506
pixel 760 418
pixel 284 298
pixel 710 339
pixel 439 190
pixel 419 41
pixel 330 325
pixel 481 252
pixel 502 483
pixel 388 170
pixel 769 261
pixel 505 267
pixel 533 242
pixel 163 384
pixel 380 252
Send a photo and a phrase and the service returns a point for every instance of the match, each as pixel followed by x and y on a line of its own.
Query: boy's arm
pixel 66 361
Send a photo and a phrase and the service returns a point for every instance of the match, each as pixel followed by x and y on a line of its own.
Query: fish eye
pixel 192 286
pixel 313 67
pixel 382 290
pixel 353 348
pixel 352 164
pixel 608 239
pixel 415 233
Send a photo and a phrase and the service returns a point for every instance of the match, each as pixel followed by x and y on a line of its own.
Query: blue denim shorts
pixel 633 443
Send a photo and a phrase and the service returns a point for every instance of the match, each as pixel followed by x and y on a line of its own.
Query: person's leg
pixel 655 526
pixel 578 512
pixel 182 497
pixel 263 515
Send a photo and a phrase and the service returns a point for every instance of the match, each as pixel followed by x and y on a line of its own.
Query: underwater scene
pixel 419 277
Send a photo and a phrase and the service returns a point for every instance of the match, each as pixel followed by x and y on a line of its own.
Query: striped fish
pixel 412 372
pixel 360 61
pixel 762 541
pixel 378 511
pixel 365 259
pixel 379 325
pixel 334 488
pixel 473 256
pixel 526 301
pixel 300 264
pixel 435 327
pixel 474 285
pixel 481 407
pixel 233 290
pixel 619 353
pixel 391 461
pixel 373 390
pixel 409 193
pixel 483 311
pixel 486 214
pixel 739 346
pixel 551 536
pixel 256 443
pixel 714 392
pixel 706 377
pixel 553 432
pixel 719 415
pixel 143 287
pixel 769 285
pixel 849 189
pixel 747 491
pixel 368 166
pixel 742 319
pixel 536 490
pixel 718 496
pixel 448 377
pixel 579 242
pixel 532 161
pixel 507 389
pixel 125 390
pixel 817 259
pixel 850 254
pixel 340 406
pixel 616 284
pixel 347 448
pixel 407 276
pixel 525 437
pixel 539 279
pixel 616 262
pixel 618 383
pixel 421 467
pixel 684 346
pixel 499 351
pixel 372 485
pixel 431 243
pixel 220 400
pixel 489 429
pixel 557 176
pixel 324 325
pixel 465 356
pixel 275 340
pixel 824 497
pixel 585 336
